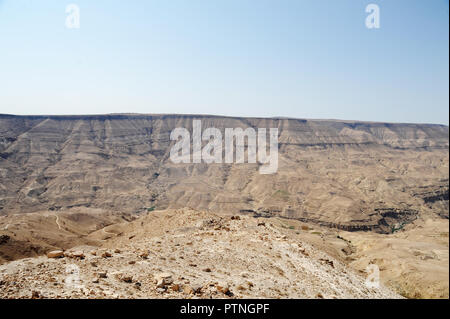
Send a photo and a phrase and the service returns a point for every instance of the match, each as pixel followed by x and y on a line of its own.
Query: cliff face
pixel 348 175
pixel 110 130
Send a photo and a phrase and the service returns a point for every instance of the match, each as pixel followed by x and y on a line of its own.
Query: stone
pixel 223 287
pixel 188 290
pixel 163 279
pixel 197 289
pixel 127 279
pixel 4 239
pixel 55 254
pixel 77 254
pixel 117 274
pixel 35 295
pixel 327 262
pixel 144 255
pixel 175 287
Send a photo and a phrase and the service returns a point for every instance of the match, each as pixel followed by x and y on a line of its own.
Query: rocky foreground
pixel 188 254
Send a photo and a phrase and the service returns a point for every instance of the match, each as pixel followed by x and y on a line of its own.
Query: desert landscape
pixel 95 200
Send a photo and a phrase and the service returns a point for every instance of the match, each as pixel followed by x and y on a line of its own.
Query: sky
pixel 258 58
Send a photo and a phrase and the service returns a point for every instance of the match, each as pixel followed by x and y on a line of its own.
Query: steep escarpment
pixel 336 173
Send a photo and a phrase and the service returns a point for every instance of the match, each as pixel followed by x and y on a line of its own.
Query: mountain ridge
pixel 158 115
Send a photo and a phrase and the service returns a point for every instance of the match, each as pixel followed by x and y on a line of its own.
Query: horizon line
pixel 124 115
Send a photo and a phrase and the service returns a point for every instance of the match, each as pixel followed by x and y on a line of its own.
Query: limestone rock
pixel 163 279
pixel 55 254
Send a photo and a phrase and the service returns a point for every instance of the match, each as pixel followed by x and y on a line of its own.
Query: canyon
pixel 361 192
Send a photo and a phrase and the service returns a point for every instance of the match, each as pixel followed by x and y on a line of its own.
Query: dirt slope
pixel 204 255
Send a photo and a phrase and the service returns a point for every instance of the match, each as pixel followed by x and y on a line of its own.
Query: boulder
pixel 55 254
pixel 77 254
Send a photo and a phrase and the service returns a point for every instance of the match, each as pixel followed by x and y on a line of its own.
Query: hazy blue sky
pixel 298 58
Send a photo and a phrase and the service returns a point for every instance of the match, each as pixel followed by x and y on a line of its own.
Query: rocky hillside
pixel 188 254
pixel 376 172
